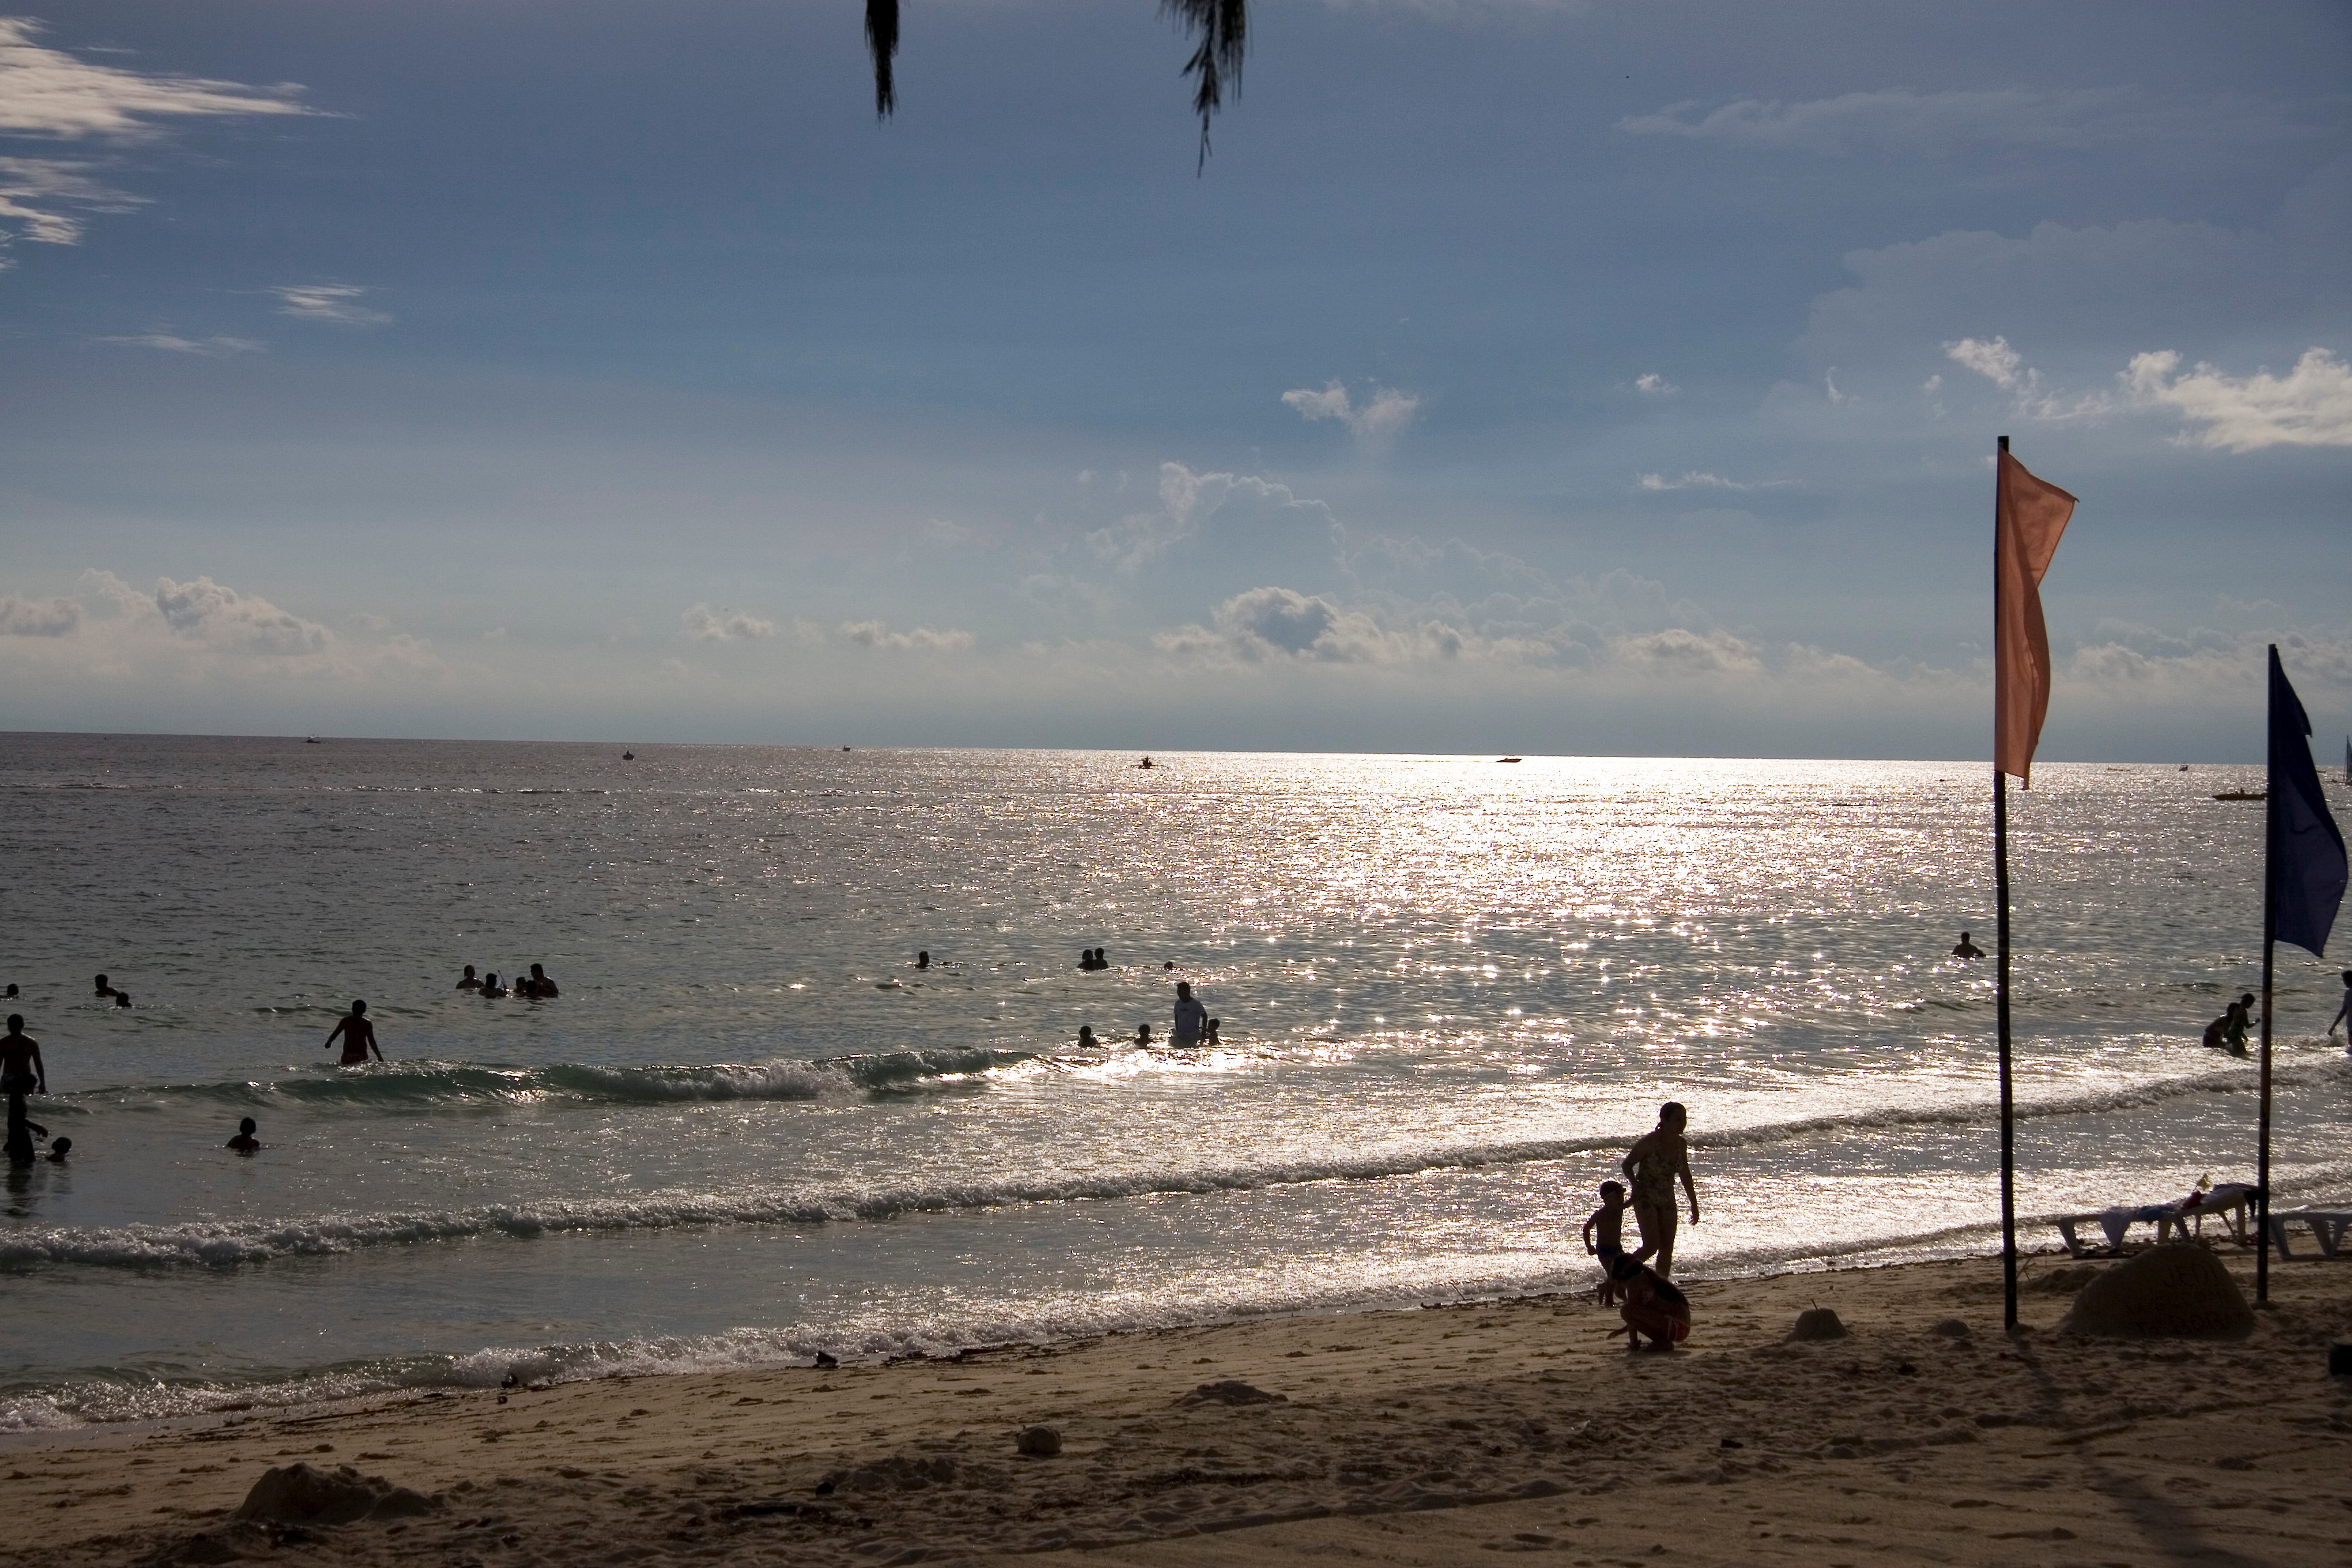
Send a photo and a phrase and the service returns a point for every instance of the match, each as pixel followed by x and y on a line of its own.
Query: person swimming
pixel 1087 1041
pixel 923 959
pixel 1964 947
pixel 541 986
pixel 245 1142
pixel 58 1151
pixel 105 988
pixel 470 983
pixel 490 986
pixel 1142 1037
pixel 357 1036
pixel 123 998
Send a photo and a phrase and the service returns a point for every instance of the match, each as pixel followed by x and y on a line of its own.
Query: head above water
pixel 470 972
pixel 101 982
pixel 60 1148
pixel 248 1127
pixel 537 973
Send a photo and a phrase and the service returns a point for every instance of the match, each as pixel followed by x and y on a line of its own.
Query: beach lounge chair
pixel 2226 1202
pixel 2327 1227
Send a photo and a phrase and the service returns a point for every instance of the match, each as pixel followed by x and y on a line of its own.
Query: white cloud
pixel 1189 503
pixel 1899 121
pixel 21 618
pixel 703 624
pixel 1700 480
pixel 1384 417
pixel 2311 406
pixel 168 342
pixel 1653 384
pixel 223 618
pixel 32 189
pixel 1993 359
pixel 337 302
pixel 1837 399
pixel 921 639
pixel 1679 651
pixel 46 93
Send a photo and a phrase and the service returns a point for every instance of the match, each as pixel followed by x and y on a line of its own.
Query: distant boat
pixel 1147 762
pixel 309 740
pixel 2243 794
pixel 1510 759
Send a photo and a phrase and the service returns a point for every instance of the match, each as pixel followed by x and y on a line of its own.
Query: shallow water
pixel 1452 991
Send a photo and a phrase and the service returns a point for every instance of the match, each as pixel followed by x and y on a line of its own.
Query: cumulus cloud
pixel 2311 406
pixel 1993 359
pixel 171 343
pixel 1652 385
pixel 21 618
pixel 1383 418
pixel 920 639
pixel 1195 505
pixel 1679 651
pixel 220 618
pixel 336 302
pixel 47 92
pixel 1898 122
pixel 701 623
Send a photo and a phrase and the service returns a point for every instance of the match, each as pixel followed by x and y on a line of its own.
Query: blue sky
pixel 1521 376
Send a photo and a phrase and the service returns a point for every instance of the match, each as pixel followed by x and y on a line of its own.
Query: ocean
pixel 750 1130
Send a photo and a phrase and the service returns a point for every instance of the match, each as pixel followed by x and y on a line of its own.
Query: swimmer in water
pixel 357 1036
pixel 105 989
pixel 1967 949
pixel 58 1151
pixel 1143 1036
pixel 1191 1018
pixel 923 959
pixel 470 983
pixel 245 1142
pixel 490 986
pixel 1087 1041
pixel 123 998
pixel 541 986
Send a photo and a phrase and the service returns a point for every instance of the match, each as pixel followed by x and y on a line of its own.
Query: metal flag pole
pixel 2000 930
pixel 2270 936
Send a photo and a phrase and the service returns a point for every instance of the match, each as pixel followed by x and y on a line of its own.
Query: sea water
pixel 1451 990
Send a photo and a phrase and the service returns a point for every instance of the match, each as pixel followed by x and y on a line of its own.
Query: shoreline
pixel 1419 1435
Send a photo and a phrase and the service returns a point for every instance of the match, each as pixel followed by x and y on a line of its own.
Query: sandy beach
pixel 1425 1437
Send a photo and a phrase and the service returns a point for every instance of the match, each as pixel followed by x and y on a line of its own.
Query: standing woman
pixel 357 1036
pixel 1652 1166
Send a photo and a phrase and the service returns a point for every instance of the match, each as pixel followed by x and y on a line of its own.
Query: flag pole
pixel 2000 930
pixel 2270 936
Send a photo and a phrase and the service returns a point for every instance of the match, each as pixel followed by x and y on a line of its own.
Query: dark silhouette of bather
pixel 357 1036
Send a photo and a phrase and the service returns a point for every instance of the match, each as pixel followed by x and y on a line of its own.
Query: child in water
pixel 58 1151
pixel 245 1142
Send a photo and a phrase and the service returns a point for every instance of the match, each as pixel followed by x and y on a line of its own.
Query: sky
pixel 1513 375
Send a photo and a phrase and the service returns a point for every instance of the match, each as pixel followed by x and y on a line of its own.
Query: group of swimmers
pixel 22 1072
pixel 536 986
pixel 1191 1030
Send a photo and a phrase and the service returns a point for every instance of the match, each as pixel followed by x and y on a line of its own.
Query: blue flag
pixel 2303 858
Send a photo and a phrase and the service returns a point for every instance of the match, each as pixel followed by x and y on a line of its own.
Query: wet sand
pixel 1441 1436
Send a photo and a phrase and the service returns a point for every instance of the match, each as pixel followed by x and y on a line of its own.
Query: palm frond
pixel 1222 28
pixel 882 43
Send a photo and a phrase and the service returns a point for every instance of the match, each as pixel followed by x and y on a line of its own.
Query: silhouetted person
pixel 1087 1041
pixel 1967 949
pixel 923 959
pixel 357 1036
pixel 1191 1018
pixel 22 1072
pixel 1658 1158
pixel 245 1142
pixel 524 986
pixel 541 986
pixel 470 983
pixel 10 995
pixel 1209 1037
pixel 2342 1014
pixel 105 991
pixel 123 998
pixel 1653 1307
pixel 1142 1037
pixel 490 986
pixel 58 1151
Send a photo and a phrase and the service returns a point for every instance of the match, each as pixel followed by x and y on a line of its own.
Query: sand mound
pixel 1950 1329
pixel 298 1494
pixel 1818 1324
pixel 2061 1280
pixel 898 1473
pixel 2167 1292
pixel 1038 1442
pixel 1232 1391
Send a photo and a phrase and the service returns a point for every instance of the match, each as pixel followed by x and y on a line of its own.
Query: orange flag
pixel 2028 518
